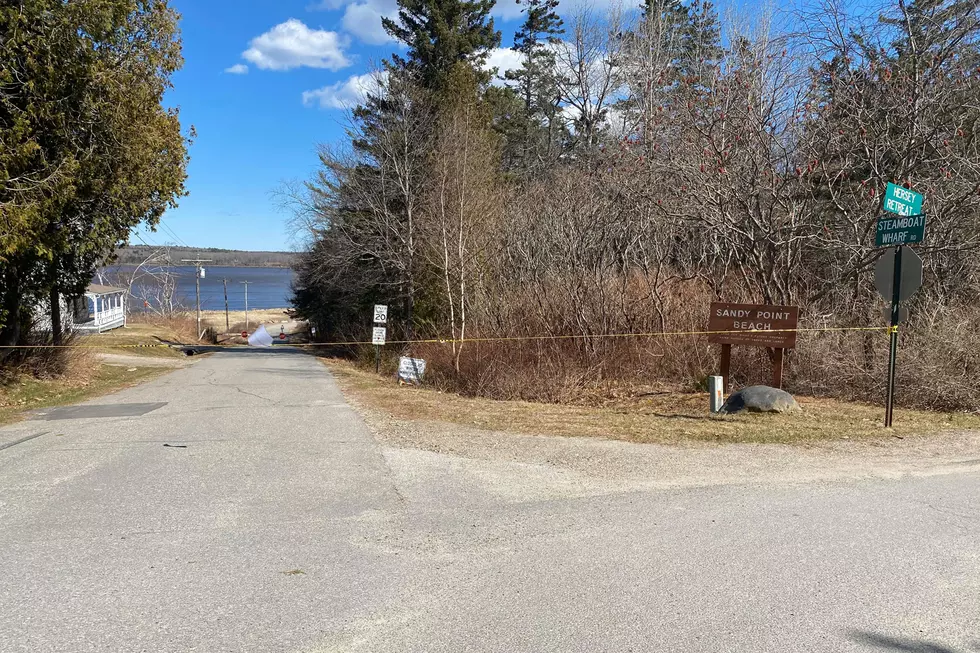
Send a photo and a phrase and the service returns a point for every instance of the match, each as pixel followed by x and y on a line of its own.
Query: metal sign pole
pixel 893 344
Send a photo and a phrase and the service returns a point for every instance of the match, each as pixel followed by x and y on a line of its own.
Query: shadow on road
pixel 875 641
pixel 193 350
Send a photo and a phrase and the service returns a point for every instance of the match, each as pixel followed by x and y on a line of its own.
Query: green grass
pixel 23 394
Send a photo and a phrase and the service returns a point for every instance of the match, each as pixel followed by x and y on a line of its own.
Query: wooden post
pixel 777 368
pixel 726 366
pixel 224 282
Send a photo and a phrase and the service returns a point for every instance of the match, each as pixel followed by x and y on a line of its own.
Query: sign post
pixel 756 325
pixel 378 337
pixel 898 272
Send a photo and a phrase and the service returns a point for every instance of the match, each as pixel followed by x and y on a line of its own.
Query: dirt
pixel 551 465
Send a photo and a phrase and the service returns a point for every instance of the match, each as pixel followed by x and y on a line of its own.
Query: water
pixel 267 288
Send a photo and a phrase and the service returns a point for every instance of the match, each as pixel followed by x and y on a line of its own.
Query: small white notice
pixel 411 370
pixel 378 337
pixel 381 313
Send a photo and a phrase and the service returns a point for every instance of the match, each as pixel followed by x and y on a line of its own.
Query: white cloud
pixel 292 45
pixel 237 69
pixel 363 20
pixel 503 59
pixel 325 5
pixel 346 94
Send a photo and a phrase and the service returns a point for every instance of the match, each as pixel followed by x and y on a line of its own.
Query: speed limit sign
pixel 381 313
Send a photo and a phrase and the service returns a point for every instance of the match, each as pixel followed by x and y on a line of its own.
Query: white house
pixel 101 308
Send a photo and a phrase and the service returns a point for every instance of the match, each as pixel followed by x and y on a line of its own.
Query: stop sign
pixel 282 336
pixel 910 274
pixel 245 334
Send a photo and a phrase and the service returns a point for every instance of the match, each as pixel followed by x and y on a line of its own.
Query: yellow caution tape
pixel 338 343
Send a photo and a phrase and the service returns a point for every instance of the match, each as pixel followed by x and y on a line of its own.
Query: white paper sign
pixel 381 313
pixel 379 336
pixel 411 370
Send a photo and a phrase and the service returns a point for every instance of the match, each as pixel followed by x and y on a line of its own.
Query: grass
pixel 124 340
pixel 237 319
pixel 25 393
pixel 661 417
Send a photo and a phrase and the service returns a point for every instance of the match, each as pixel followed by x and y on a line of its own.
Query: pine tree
pixel 535 82
pixel 668 57
pixel 441 33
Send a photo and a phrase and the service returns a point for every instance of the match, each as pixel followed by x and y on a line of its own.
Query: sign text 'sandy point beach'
pixel 753 324
pixel 756 325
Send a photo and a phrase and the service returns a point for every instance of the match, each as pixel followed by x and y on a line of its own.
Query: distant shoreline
pixel 139 254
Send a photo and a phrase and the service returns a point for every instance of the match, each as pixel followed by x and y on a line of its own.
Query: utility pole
pixel 198 270
pixel 246 302
pixel 224 282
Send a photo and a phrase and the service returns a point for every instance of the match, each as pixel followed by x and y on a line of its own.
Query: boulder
pixel 760 399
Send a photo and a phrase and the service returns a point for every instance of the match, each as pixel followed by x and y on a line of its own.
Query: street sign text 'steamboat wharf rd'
pixel 909 226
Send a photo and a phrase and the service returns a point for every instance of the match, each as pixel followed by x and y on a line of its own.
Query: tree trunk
pixel 55 299
pixel 10 308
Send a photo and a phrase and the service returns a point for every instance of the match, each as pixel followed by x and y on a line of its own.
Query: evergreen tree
pixel 87 149
pixel 535 84
pixel 668 60
pixel 441 33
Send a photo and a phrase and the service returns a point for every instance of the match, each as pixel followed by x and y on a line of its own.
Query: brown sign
pixel 749 324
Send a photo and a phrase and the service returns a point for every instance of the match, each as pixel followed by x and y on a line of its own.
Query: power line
pixel 166 227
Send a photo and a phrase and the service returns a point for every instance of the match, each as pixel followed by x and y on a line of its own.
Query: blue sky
pixel 264 81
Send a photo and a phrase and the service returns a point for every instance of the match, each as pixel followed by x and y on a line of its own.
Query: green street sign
pixel 902 200
pixel 900 231
pixel 909 227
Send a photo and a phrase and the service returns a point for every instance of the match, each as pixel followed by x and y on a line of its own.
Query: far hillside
pixel 136 254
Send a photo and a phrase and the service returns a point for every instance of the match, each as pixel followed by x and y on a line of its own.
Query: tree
pixel 441 33
pixel 667 61
pixel 364 205
pixel 896 102
pixel 464 201
pixel 89 152
pixel 536 85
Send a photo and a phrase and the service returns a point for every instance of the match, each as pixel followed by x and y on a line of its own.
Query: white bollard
pixel 716 386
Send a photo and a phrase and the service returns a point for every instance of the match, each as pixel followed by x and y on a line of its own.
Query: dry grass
pixel 237 319
pixel 153 334
pixel 664 417
pixel 24 393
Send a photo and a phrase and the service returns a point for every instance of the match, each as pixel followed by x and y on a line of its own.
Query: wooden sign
pixel 747 324
pixel 755 325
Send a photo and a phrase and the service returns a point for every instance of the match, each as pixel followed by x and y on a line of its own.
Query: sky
pixel 263 83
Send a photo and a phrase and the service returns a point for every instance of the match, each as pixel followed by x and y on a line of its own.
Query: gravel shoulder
pixel 547 466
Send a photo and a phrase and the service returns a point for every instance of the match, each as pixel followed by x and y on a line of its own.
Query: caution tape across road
pixel 578 336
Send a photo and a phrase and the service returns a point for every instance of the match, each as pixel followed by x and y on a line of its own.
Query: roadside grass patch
pixel 142 332
pixel 662 416
pixel 22 393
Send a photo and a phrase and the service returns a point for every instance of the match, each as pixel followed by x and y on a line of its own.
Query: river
pixel 267 287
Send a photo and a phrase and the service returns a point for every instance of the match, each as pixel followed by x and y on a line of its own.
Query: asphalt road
pixel 275 521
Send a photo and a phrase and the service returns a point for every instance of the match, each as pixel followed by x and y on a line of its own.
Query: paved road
pixel 277 522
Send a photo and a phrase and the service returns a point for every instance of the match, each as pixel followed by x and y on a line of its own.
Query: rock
pixel 760 399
